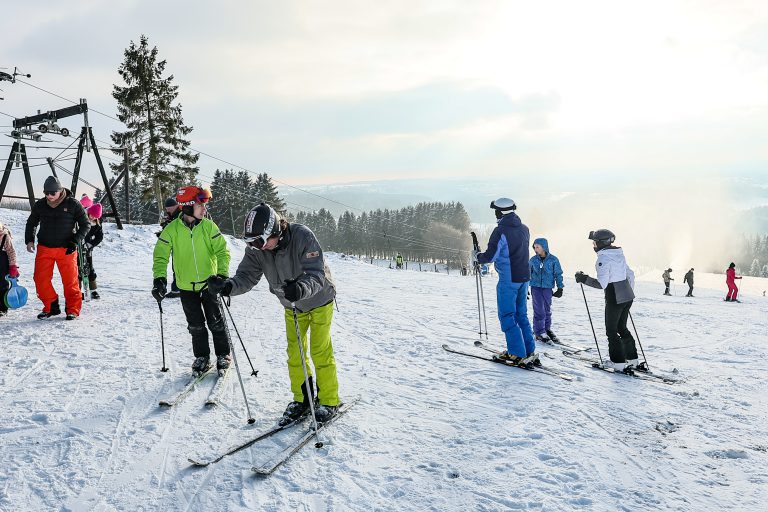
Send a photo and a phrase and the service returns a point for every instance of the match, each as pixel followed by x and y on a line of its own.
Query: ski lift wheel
pixel 43 128
pixel 65 132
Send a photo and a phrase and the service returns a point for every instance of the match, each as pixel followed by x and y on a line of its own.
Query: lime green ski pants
pixel 318 322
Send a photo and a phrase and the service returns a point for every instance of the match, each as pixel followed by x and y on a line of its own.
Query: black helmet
pixel 170 202
pixel 503 206
pixel 261 223
pixel 603 237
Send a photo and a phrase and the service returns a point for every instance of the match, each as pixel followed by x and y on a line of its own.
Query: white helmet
pixel 503 206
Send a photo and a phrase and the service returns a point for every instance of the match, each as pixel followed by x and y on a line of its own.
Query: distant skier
pixel 399 261
pixel 618 280
pixel 667 279
pixel 689 279
pixel 8 265
pixel 508 250
pixel 291 260
pixel 199 252
pixel 63 225
pixel 546 272
pixel 92 239
pixel 730 280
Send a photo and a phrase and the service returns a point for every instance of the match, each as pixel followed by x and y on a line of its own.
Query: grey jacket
pixel 612 268
pixel 297 256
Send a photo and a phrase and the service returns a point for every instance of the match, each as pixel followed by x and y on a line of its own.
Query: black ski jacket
pixel 59 226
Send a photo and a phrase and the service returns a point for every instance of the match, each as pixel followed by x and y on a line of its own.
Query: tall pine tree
pixel 158 150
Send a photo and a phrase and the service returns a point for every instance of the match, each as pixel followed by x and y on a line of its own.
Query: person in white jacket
pixel 618 280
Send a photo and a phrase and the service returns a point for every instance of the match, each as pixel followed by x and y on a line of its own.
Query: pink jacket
pixel 8 245
pixel 730 276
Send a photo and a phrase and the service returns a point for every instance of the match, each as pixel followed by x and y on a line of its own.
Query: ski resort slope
pixel 81 428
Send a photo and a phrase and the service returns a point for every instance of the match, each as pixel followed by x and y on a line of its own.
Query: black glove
pixel 71 247
pixel 160 288
pixel 293 291
pixel 558 293
pixel 581 277
pixel 219 285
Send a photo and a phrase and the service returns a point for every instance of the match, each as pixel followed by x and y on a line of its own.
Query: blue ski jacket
pixel 547 272
pixel 508 250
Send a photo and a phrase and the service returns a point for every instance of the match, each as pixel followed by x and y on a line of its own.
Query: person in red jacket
pixel 730 280
pixel 63 224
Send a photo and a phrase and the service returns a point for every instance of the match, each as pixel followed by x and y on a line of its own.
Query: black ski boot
pixel 552 336
pixel 71 316
pixel 325 412
pixel 223 362
pixel 55 310
pixel 293 412
pixel 201 364
pixel 543 338
pixel 95 295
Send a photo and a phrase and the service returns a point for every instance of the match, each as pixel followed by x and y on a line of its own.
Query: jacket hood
pixel 542 242
pixel 510 219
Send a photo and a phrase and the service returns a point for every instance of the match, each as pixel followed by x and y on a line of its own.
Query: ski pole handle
pixel 475 245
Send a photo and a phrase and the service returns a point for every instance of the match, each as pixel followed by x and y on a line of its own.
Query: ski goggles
pixel 257 242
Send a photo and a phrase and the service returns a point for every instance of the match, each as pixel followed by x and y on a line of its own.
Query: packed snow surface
pixel 82 430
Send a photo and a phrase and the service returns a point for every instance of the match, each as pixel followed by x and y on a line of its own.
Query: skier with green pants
pixel 291 259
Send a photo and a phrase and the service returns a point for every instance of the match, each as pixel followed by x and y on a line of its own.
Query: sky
pixel 557 96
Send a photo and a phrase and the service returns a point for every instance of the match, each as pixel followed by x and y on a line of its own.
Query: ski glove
pixel 71 247
pixel 160 288
pixel 293 291
pixel 558 293
pixel 13 271
pixel 581 277
pixel 219 285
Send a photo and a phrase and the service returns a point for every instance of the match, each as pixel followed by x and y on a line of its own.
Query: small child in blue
pixel 546 272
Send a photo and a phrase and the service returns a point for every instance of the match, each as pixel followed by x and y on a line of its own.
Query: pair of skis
pixel 593 363
pixel 213 397
pixel 494 358
pixel 268 467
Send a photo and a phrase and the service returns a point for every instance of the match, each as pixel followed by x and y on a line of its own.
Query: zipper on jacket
pixel 194 255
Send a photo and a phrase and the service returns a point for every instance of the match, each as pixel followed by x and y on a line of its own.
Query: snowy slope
pixel 81 428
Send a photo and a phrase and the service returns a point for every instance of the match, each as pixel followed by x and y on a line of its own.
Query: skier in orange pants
pixel 63 224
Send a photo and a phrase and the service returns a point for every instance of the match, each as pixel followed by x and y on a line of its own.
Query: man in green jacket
pixel 289 257
pixel 199 252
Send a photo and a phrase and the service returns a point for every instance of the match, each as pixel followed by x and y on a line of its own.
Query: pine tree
pixel 158 150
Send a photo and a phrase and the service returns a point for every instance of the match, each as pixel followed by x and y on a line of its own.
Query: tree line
pixel 434 232
pixel 753 256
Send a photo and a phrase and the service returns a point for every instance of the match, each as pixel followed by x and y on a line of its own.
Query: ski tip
pixel 478 343
pixel 197 463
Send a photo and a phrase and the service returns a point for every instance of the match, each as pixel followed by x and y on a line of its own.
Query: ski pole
pixel 251 419
pixel 479 292
pixel 638 340
pixel 162 335
pixel 307 386
pixel 591 324
pixel 254 371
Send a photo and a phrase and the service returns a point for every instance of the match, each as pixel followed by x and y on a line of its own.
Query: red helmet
pixel 188 196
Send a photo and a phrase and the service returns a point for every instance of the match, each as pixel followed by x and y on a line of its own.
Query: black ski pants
pixel 690 290
pixel 621 344
pixel 201 308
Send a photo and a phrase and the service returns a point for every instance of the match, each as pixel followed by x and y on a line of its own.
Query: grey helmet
pixel 503 206
pixel 603 237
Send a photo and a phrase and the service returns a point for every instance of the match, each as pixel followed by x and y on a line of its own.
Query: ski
pixel 271 465
pixel 218 389
pixel 190 386
pixel 556 342
pixel 636 374
pixel 494 359
pixel 264 435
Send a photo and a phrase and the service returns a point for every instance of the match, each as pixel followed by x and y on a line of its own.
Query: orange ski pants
pixel 67 263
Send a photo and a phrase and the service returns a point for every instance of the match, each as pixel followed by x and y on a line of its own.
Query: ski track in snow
pixel 82 429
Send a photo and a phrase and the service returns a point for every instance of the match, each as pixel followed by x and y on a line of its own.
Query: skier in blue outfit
pixel 546 272
pixel 508 250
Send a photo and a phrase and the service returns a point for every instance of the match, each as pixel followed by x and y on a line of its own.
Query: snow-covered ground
pixel 81 428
